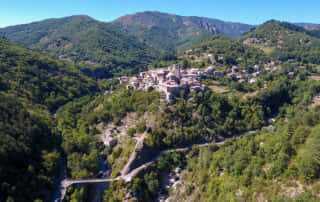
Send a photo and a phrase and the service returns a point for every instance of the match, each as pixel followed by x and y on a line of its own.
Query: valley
pixel 159 107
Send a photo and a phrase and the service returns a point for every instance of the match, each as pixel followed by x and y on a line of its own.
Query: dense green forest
pixel 264 165
pixel 100 49
pixel 29 151
pixel 33 86
pixel 39 78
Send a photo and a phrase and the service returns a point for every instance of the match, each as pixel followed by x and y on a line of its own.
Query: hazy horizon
pixel 16 12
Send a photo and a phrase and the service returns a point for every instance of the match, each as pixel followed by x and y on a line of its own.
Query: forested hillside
pixel 279 165
pixel 32 86
pixel 39 78
pixel 29 151
pixel 224 51
pixel 285 41
pixel 168 33
pixel 99 47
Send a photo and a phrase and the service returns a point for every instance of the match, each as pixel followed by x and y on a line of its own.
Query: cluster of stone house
pixel 170 81
pixel 173 79
pixel 243 76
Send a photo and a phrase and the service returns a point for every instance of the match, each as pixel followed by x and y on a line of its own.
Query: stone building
pixel 170 81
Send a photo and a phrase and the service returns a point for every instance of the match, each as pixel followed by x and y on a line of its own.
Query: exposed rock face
pixel 172 32
pixel 108 138
pixel 175 23
pixel 210 28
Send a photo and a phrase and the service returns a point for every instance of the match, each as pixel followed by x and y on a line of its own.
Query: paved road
pixel 129 176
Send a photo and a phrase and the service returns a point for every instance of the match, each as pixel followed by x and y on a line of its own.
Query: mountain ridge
pixel 126 45
pixel 174 32
pixel 84 40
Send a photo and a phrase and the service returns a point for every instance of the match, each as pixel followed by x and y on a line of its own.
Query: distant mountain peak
pixel 83 17
pixel 169 32
pixel 308 26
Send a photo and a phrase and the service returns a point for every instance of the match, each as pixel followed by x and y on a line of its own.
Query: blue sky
pixel 14 12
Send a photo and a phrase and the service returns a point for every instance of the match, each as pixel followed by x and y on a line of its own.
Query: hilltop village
pixel 174 79
pixel 170 81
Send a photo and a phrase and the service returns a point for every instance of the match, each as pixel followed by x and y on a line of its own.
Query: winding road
pixel 129 176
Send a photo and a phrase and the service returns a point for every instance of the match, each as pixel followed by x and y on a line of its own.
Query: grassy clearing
pixel 316 78
pixel 251 94
pixel 219 89
pixel 267 50
pixel 315 101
